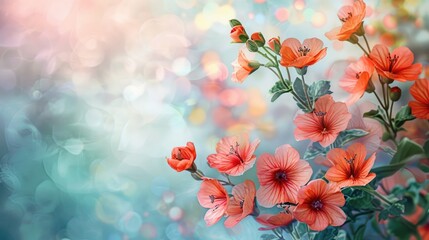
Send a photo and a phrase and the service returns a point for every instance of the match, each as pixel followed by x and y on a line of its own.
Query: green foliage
pixel 298 87
pixel 268 237
pixel 301 231
pixel 331 233
pixel 406 150
pixel 360 200
pixel 375 114
pixel 234 22
pixel 403 115
pixel 318 89
pixel 401 228
pixel 360 232
pixel 314 150
pixel 278 89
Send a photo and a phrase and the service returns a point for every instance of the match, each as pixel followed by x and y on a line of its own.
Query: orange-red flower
pixel 351 17
pixel 355 81
pixel 280 176
pixel 234 155
pixel 274 44
pixel 241 204
pixel 182 158
pixel 238 31
pixel 319 205
pixel 324 124
pixel 350 167
pixel 397 65
pixel 214 196
pixel 420 91
pixel 274 221
pixel 295 54
pixel 243 67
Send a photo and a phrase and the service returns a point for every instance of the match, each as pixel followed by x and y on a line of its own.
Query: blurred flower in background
pixel 94 94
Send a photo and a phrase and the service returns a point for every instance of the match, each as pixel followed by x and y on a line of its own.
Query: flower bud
pixel 238 34
pixel 254 65
pixel 258 38
pixel 182 158
pixel 301 71
pixel 395 93
pixel 274 44
pixel 251 46
pixel 386 80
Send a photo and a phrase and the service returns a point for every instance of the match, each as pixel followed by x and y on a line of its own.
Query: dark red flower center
pixel 317 204
pixel 358 75
pixel 303 50
pixel 280 175
pixel 392 61
pixel 233 150
pixel 321 115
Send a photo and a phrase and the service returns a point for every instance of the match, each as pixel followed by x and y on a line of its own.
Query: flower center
pixel 344 19
pixel 317 204
pixel 241 204
pixel 358 75
pixel 392 61
pixel 321 115
pixel 212 198
pixel 303 50
pixel 179 155
pixel 233 150
pixel 280 175
pixel 352 166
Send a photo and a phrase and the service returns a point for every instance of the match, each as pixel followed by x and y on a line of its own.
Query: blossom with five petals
pixel 280 176
pixel 351 17
pixel 214 196
pixel 243 67
pixel 241 203
pixel 295 54
pixel 350 167
pixel 319 205
pixel 324 124
pixel 234 155
pixel 397 65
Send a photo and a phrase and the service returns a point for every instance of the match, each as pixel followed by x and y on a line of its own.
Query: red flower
pixel 214 196
pixel 295 54
pixel 234 155
pixel 243 68
pixel 350 167
pixel 324 124
pixel 182 158
pixel 241 204
pixel 238 31
pixel 280 176
pixel 274 44
pixel 398 65
pixel 420 91
pixel 274 221
pixel 351 17
pixel 319 205
pixel 356 78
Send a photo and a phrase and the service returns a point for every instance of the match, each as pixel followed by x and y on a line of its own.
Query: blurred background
pixel 94 94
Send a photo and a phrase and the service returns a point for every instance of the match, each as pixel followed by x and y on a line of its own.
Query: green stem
pixel 363 49
pixel 374 193
pixel 300 100
pixel 367 44
pixel 305 93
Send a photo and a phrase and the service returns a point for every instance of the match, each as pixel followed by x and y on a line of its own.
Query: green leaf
pixel 384 214
pixel 268 236
pixel 278 89
pixel 375 114
pixel 426 148
pixel 342 235
pixel 314 150
pixel 406 149
pixel 298 87
pixel 300 231
pixel 403 115
pixel 360 200
pixel 349 135
pixel 318 89
pixel 327 234
pixel 360 232
pixel 401 228
pixel 397 209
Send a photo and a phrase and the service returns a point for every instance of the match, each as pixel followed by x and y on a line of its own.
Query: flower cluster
pixel 350 187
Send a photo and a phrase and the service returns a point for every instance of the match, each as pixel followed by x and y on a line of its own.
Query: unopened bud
pixel 274 44
pixel 238 34
pixel 258 38
pixel 395 93
pixel 386 80
pixel 251 46
pixel 301 71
